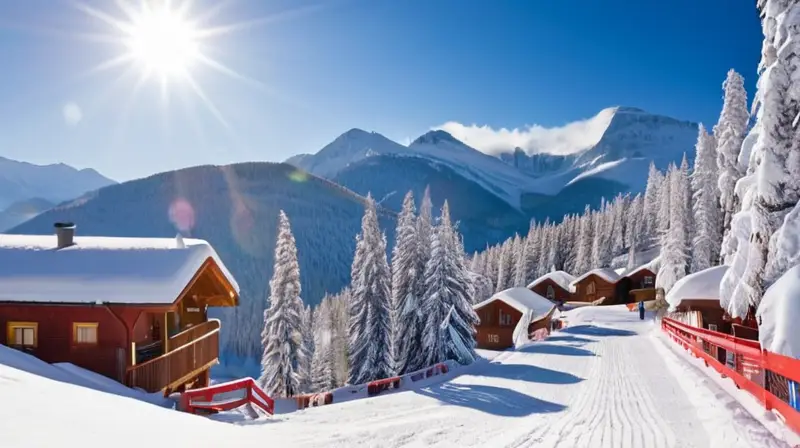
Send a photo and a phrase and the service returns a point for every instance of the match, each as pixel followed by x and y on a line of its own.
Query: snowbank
pixel 778 314
pixel 700 285
pixel 560 278
pixel 101 269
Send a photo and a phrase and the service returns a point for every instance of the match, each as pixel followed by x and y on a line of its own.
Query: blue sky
pixel 313 70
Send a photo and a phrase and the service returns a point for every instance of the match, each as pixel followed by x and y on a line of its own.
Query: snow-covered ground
pixel 608 380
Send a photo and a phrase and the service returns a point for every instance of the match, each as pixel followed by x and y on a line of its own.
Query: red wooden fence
pixel 226 396
pixel 772 378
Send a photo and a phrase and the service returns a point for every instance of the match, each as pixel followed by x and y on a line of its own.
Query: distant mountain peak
pixel 434 137
pixel 630 110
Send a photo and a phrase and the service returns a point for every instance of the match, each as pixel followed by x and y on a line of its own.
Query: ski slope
pixel 608 380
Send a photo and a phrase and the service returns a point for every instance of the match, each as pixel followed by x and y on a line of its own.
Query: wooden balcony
pixel 188 354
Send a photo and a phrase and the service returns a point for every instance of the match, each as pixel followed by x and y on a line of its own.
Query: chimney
pixel 65 232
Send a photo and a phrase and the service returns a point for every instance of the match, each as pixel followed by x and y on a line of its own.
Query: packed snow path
pixel 607 381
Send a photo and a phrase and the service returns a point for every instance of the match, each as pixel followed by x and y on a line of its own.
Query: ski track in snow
pixel 602 382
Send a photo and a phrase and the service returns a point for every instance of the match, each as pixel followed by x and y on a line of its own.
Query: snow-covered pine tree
pixel 323 362
pixel 773 238
pixel 583 260
pixel 370 350
pixel 545 249
pixel 521 270
pixel 707 240
pixel 688 219
pixel 505 274
pixel 729 134
pixel 635 223
pixel 307 348
pixel 674 256
pixel 447 301
pixel 532 248
pixel 517 248
pixel 557 249
pixel 651 206
pixel 282 338
pixel 664 197
pixel 406 329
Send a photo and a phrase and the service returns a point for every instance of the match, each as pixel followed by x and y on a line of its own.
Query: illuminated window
pixel 22 334
pixel 84 333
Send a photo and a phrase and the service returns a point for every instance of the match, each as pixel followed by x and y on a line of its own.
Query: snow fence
pixel 773 379
pixel 373 387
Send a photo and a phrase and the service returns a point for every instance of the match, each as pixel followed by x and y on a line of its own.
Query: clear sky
pixel 299 73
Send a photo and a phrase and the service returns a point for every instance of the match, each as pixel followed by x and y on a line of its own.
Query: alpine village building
pixel 132 309
pixel 508 314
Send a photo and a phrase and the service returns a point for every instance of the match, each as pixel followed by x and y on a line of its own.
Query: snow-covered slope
pixel 20 181
pixel 235 208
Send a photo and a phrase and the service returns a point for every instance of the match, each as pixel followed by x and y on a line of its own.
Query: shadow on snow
pixel 550 349
pixel 591 330
pixel 490 399
pixel 533 374
pixel 568 338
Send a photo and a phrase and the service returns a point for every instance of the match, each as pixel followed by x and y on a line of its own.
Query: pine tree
pixel 729 134
pixel 651 206
pixel 545 249
pixel 505 275
pixel 282 338
pixel 447 302
pixel 532 249
pixel 583 261
pixel 518 272
pixel 370 350
pixel 705 246
pixel 636 222
pixel 405 302
pixel 664 197
pixel 674 256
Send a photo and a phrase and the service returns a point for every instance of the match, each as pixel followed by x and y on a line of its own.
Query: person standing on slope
pixel 641 310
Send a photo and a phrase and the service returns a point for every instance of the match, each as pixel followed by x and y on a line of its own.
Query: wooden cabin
pixel 594 285
pixel 508 313
pixel 132 309
pixel 553 286
pixel 640 285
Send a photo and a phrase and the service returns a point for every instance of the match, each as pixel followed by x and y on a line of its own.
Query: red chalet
pixel 132 309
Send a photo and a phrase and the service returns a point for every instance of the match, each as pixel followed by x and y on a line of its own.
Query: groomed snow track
pixel 609 380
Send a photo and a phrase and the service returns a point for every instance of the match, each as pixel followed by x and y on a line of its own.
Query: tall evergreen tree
pixel 370 304
pixel 651 206
pixel 284 355
pixel 406 331
pixel 447 303
pixel 707 240
pixel 674 255
pixel 729 134
pixel 583 261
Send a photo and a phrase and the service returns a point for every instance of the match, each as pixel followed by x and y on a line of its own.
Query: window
pixel 22 334
pixel 648 281
pixel 84 333
pixel 505 319
pixel 551 292
pixel 590 288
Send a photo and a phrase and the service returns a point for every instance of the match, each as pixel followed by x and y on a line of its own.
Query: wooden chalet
pixel 511 313
pixel 132 309
pixel 595 285
pixel 640 285
pixel 554 286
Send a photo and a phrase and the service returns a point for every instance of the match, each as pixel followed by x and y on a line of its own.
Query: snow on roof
pixel 523 300
pixel 639 269
pixel 700 285
pixel 561 278
pixel 101 269
pixel 605 273
pixel 778 313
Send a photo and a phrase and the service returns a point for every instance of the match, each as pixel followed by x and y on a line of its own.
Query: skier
pixel 641 310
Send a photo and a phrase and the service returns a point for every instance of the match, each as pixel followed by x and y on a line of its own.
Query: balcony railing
pixel 189 353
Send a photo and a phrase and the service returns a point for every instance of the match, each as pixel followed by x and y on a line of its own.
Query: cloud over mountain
pixel 568 139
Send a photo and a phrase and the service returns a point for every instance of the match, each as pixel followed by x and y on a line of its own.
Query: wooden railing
pixel 772 379
pixel 180 364
pixel 191 334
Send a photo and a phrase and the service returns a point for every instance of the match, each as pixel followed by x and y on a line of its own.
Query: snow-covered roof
pixel 101 269
pixel 646 266
pixel 606 274
pixel 523 300
pixel 561 278
pixel 700 285
pixel 778 313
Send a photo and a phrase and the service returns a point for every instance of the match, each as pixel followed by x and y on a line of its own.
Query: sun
pixel 163 42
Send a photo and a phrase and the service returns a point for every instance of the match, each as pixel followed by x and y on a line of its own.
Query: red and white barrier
pixel 773 379
pixel 227 396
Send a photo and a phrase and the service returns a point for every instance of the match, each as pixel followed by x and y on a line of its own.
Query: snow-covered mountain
pixel 616 163
pixel 235 208
pixel 20 181
pixel 21 211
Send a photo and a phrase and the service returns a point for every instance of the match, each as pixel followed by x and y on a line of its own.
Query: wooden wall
pixel 561 294
pixel 637 279
pixel 602 289
pixel 490 334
